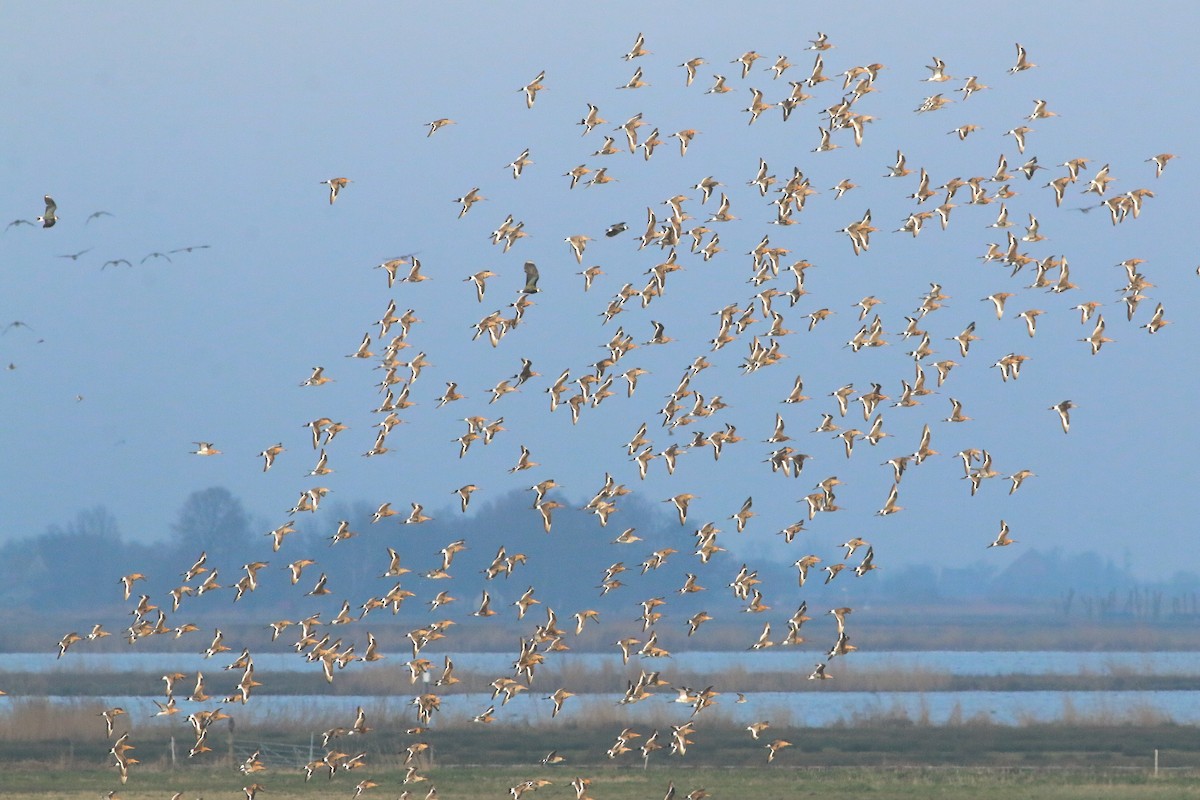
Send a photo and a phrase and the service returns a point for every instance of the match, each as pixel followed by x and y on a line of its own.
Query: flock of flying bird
pixel 689 405
pixel 49 219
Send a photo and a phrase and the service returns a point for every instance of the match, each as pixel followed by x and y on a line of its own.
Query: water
pixel 808 709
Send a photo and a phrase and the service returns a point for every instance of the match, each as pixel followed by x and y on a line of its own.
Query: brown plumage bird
pixel 335 186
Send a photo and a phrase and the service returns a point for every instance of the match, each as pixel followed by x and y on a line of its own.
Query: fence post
pixel 1156 762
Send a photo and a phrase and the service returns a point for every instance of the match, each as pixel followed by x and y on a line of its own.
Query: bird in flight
pixel 1002 538
pixel 1023 62
pixel 1160 162
pixel 672 233
pixel 316 379
pixel 96 215
pixel 531 278
pixel 532 88
pixel 691 65
pixel 437 125
pixel 335 185
pixel 638 50
pixel 392 267
pixel 518 164
pixel 50 216
pixel 1064 413
pixel 467 200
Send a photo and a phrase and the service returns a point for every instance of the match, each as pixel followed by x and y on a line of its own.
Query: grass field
pixel 478 783
pixel 50 751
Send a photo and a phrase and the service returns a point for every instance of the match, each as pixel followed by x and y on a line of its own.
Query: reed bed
pixel 37 731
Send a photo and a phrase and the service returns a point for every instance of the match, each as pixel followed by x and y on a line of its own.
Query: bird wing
pixel 531 277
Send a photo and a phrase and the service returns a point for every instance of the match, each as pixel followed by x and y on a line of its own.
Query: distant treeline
pixel 72 571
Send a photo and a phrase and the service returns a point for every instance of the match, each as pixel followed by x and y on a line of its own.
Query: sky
pixel 212 126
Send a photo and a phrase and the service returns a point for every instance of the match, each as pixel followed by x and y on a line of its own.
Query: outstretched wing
pixel 531 278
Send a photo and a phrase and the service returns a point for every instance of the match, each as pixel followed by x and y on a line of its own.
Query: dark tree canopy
pixel 35 571
pixel 214 521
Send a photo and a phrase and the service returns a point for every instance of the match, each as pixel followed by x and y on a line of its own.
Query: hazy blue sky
pixel 214 124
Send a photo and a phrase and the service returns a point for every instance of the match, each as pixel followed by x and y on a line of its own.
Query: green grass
pixel 52 751
pixel 608 783
pixel 879 746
